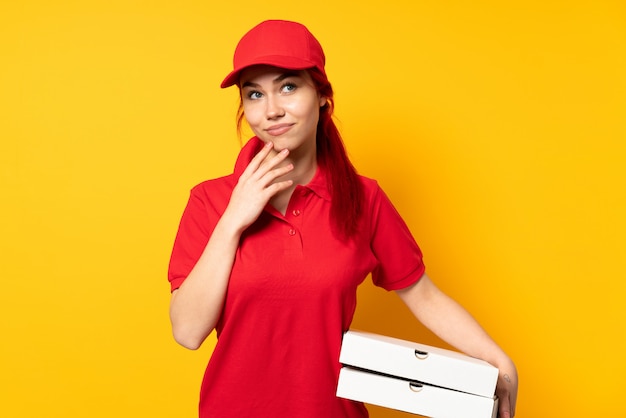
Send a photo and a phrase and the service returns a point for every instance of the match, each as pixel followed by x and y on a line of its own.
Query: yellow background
pixel 497 128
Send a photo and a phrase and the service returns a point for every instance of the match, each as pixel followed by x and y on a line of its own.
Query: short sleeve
pixel 399 257
pixel 195 228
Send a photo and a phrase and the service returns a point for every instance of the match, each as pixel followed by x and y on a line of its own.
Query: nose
pixel 274 107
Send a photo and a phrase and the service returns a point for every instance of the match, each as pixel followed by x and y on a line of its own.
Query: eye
pixel 254 95
pixel 288 88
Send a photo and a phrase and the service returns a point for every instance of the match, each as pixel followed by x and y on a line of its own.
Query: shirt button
pixel 292 232
pixel 296 212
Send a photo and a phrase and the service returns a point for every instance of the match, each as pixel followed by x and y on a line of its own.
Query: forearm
pixel 451 322
pixel 195 307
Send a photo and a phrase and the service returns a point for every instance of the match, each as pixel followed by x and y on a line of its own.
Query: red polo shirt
pixel 291 295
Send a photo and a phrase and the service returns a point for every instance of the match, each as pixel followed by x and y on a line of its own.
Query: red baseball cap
pixel 279 43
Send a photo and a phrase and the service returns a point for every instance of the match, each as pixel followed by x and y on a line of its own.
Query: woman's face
pixel 281 106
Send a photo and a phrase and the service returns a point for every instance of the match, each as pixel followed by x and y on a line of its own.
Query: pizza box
pixel 412 396
pixel 426 364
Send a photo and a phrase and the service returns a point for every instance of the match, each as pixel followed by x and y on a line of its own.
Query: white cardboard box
pixel 415 378
pixel 423 363
pixel 408 396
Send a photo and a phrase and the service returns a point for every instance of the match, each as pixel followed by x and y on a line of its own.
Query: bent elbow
pixel 187 341
pixel 187 330
pixel 187 337
pixel 188 344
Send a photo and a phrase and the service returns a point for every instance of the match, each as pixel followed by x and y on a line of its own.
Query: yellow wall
pixel 497 128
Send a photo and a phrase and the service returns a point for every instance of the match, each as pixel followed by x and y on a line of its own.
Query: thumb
pixel 504 407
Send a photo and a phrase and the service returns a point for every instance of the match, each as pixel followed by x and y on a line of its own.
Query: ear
pixel 323 101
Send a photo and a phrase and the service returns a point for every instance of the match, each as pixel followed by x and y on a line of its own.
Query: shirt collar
pixel 317 185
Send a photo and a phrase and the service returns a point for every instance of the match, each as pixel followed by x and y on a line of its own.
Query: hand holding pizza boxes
pixel 416 378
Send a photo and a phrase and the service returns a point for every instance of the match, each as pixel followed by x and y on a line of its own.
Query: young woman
pixel 271 255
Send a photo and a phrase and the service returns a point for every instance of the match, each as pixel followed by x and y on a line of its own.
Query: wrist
pixel 230 225
pixel 505 366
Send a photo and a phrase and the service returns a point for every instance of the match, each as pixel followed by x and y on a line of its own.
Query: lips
pixel 279 129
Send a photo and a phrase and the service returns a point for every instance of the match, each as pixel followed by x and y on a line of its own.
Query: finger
pixel 275 173
pixel 258 159
pixel 257 169
pixel 504 409
pixel 270 163
pixel 277 187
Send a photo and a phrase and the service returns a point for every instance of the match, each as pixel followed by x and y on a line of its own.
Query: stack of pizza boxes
pixel 415 378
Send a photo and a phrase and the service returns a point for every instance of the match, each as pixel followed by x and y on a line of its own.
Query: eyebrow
pixel 278 79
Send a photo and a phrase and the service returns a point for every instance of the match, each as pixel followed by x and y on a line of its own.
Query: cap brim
pixel 289 63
